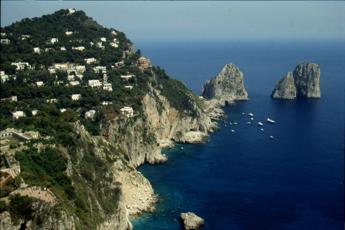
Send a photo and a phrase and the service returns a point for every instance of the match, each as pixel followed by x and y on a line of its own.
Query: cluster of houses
pixel 75 72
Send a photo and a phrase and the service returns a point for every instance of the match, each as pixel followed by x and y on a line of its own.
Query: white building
pixel 79 48
pixel 5 41
pixel 119 64
pixel 47 49
pixel 63 110
pixel 54 40
pixel 34 112
pixel 74 83
pixel 4 76
pixel 11 98
pixel 107 102
pixel 127 77
pixel 113 33
pixel 108 87
pixel 90 114
pixel 70 77
pixel 18 114
pixel 39 83
pixel 90 60
pixel 62 48
pixel 37 50
pixel 80 68
pixel 103 39
pixel 68 33
pixel 52 100
pixel 21 65
pixel 127 111
pixel 94 83
pixel 71 10
pixel 100 69
pixel 128 87
pixel 3 34
pixel 61 66
pixel 113 44
pixel 100 45
pixel 25 36
pixel 75 97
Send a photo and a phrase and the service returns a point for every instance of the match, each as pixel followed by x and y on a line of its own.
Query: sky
pixel 191 20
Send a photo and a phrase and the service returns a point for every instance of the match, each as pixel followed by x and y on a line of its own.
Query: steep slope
pixel 57 74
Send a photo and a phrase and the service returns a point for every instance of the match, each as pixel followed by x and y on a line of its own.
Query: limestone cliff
pixel 304 82
pixel 227 86
pixel 307 80
pixel 285 88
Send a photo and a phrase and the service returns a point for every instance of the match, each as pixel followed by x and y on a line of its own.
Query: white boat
pixel 250 114
pixel 233 131
pixel 248 122
pixel 230 123
pixel 235 123
pixel 269 120
pixel 243 113
pixel 262 129
pixel 260 123
pixel 252 119
pixel 271 137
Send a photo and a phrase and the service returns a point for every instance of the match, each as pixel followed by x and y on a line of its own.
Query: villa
pixel 75 97
pixel 94 83
pixel 90 114
pixel 18 114
pixel 127 111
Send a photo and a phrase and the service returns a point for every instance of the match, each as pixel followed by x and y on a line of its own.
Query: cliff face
pixel 226 86
pixel 307 80
pixel 159 125
pixel 303 82
pixel 285 88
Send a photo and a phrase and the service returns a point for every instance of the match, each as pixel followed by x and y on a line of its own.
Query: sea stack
pixel 304 82
pixel 191 221
pixel 285 88
pixel 227 86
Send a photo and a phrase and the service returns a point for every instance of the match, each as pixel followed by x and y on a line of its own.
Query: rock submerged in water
pixel 191 221
pixel 227 86
pixel 304 82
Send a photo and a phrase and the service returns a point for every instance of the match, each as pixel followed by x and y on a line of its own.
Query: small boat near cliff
pixel 250 114
pixel 260 123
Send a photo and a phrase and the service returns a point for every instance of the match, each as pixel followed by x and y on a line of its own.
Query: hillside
pixel 80 110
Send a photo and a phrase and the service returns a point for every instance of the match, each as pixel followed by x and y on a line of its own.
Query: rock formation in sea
pixel 191 221
pixel 304 82
pixel 285 88
pixel 227 86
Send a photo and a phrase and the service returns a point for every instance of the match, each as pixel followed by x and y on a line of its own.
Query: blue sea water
pixel 245 180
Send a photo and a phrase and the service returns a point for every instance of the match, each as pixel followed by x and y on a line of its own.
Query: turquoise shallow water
pixel 245 180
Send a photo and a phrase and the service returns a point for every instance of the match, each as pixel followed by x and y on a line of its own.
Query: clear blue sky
pixel 200 20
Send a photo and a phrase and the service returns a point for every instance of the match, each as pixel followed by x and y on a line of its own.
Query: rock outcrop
pixel 227 86
pixel 285 88
pixel 304 82
pixel 191 221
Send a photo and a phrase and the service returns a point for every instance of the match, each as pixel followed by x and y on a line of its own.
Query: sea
pixel 241 179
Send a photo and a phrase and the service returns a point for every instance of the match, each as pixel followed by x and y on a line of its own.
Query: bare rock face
pixel 285 88
pixel 307 80
pixel 304 82
pixel 191 221
pixel 227 86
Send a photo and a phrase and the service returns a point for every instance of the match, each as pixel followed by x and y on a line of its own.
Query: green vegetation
pixel 21 207
pixel 88 191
